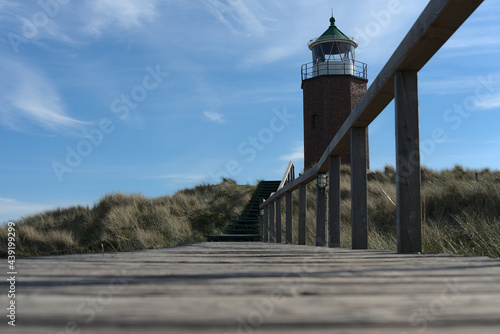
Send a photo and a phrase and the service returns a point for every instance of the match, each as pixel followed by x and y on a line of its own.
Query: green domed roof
pixel 332 34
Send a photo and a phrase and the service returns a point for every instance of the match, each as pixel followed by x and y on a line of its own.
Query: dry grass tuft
pixel 461 211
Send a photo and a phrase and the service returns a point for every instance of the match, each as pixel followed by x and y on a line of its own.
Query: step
pixel 248 217
pixel 250 214
pixel 243 227
pixel 245 221
pixel 233 237
pixel 233 231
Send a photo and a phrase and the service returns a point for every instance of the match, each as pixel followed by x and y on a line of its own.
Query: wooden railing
pixel 398 80
pixel 289 175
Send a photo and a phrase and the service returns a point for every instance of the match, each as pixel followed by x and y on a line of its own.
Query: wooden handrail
pixel 289 175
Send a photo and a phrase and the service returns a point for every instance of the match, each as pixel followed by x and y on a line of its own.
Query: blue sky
pixel 150 97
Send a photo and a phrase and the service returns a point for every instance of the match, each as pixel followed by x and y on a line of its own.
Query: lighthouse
pixel 332 84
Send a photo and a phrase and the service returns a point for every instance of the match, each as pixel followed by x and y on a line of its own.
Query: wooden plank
pixel 320 216
pixel 289 215
pixel 265 235
pixel 256 288
pixel 278 220
pixel 359 190
pixel 437 23
pixel 272 230
pixel 302 213
pixel 409 220
pixel 334 201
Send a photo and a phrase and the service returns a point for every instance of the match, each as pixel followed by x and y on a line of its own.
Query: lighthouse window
pixel 314 121
pixel 333 51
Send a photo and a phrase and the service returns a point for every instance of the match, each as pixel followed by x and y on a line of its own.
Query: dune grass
pixel 460 211
pixel 461 215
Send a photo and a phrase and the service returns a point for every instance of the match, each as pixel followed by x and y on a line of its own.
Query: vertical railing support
pixel 409 216
pixel 278 220
pixel 321 210
pixel 272 232
pixel 359 201
pixel 265 230
pixel 261 219
pixel 288 223
pixel 302 213
pixel 334 202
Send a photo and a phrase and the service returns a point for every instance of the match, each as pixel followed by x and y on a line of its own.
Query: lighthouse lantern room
pixel 333 53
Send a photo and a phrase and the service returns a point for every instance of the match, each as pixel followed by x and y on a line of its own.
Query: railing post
pixel 302 213
pixel 289 212
pixel 359 200
pixel 334 202
pixel 278 220
pixel 321 210
pixel 271 221
pixel 261 218
pixel 265 230
pixel 409 219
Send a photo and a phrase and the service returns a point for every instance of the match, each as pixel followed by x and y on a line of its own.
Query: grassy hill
pixel 461 210
pixel 122 222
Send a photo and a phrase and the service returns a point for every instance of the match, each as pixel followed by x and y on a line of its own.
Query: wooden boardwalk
pixel 256 288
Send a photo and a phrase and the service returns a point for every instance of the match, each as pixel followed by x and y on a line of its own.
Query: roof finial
pixel 332 20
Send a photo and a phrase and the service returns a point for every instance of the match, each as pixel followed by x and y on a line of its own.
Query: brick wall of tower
pixel 328 101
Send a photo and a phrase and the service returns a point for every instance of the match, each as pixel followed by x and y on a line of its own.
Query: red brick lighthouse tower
pixel 332 86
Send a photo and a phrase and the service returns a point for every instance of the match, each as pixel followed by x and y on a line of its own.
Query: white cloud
pixel 296 154
pixel 126 14
pixel 236 15
pixel 31 23
pixel 490 102
pixel 461 85
pixel 27 96
pixel 13 209
pixel 214 116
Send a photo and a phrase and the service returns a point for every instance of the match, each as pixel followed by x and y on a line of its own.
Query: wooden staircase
pixel 246 227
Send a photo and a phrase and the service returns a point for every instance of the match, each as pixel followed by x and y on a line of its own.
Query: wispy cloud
pixel 236 16
pixel 214 116
pixel 29 22
pixel 125 14
pixel 28 97
pixel 488 103
pixel 296 154
pixel 13 209
pixel 459 85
